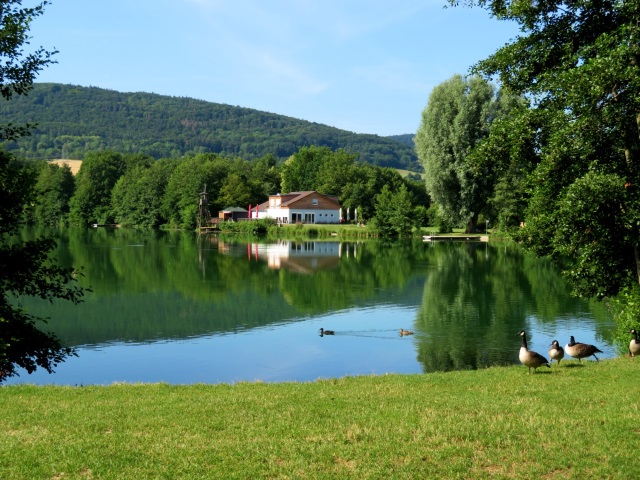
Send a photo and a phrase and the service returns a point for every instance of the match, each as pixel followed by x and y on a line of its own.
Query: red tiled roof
pixel 291 197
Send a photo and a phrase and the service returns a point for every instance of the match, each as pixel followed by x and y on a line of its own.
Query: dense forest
pixel 135 190
pixel 73 120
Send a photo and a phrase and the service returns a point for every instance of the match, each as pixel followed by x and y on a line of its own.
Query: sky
pixel 366 66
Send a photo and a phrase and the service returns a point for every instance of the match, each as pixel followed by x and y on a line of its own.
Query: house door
pixel 309 218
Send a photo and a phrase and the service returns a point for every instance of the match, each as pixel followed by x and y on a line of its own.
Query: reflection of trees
pixel 375 272
pixel 458 303
pixel 489 293
pixel 149 285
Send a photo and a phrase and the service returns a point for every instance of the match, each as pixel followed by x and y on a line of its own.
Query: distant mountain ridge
pixel 72 120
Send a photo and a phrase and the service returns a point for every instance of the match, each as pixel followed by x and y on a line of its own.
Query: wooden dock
pixel 455 238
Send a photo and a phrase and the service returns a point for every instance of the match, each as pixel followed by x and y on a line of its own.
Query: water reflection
pixel 305 257
pixel 168 301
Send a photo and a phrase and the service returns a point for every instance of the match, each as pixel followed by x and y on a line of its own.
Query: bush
pixel 625 308
pixel 248 227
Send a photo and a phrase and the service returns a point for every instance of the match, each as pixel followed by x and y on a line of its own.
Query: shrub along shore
pixel 576 420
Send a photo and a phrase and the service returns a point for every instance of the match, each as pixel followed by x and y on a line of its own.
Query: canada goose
pixel 405 332
pixel 634 345
pixel 581 350
pixel 556 352
pixel 529 358
pixel 326 332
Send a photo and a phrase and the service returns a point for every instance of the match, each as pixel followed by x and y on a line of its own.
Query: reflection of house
pixel 301 207
pixel 301 257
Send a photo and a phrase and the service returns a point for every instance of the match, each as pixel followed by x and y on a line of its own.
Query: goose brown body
pixel 529 358
pixel 405 332
pixel 581 350
pixel 326 332
pixel 634 345
pixel 556 352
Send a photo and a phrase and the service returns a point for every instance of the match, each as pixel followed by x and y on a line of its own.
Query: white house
pixel 300 207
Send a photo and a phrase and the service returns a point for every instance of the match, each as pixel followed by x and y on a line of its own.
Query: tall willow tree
pixel 455 120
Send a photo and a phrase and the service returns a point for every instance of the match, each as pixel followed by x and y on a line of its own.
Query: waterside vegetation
pixel 497 422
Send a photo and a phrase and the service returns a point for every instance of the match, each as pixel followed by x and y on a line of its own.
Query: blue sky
pixel 367 66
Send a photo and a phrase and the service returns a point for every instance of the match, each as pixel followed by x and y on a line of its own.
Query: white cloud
pixel 289 77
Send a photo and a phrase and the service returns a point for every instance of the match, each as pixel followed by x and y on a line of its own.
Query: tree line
pixel 135 190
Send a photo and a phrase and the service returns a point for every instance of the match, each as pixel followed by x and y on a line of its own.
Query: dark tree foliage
pixel 53 190
pixel 73 120
pixel 136 198
pixel 394 216
pixel 317 168
pixel 579 64
pixel 25 267
pixel 91 202
pixel 17 68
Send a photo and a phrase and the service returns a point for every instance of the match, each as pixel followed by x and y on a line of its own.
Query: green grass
pixel 573 421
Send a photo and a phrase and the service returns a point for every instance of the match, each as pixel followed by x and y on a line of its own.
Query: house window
pixel 314 201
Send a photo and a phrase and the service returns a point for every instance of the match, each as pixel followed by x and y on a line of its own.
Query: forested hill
pixel 73 120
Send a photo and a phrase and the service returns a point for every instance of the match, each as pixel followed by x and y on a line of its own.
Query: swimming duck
pixel 581 350
pixel 405 332
pixel 634 345
pixel 326 332
pixel 556 352
pixel 530 358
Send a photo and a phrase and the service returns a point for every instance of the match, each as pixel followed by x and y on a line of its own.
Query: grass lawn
pixel 572 421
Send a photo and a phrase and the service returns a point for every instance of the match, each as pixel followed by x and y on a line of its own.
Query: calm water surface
pixel 174 307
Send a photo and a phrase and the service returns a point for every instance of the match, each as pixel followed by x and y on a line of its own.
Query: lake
pixel 180 308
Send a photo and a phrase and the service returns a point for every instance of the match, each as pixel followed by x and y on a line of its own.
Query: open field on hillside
pixel 74 165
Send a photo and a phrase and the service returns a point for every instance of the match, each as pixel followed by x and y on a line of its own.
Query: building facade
pixel 300 207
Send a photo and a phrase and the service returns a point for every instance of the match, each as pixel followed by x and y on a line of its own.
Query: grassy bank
pixel 574 421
